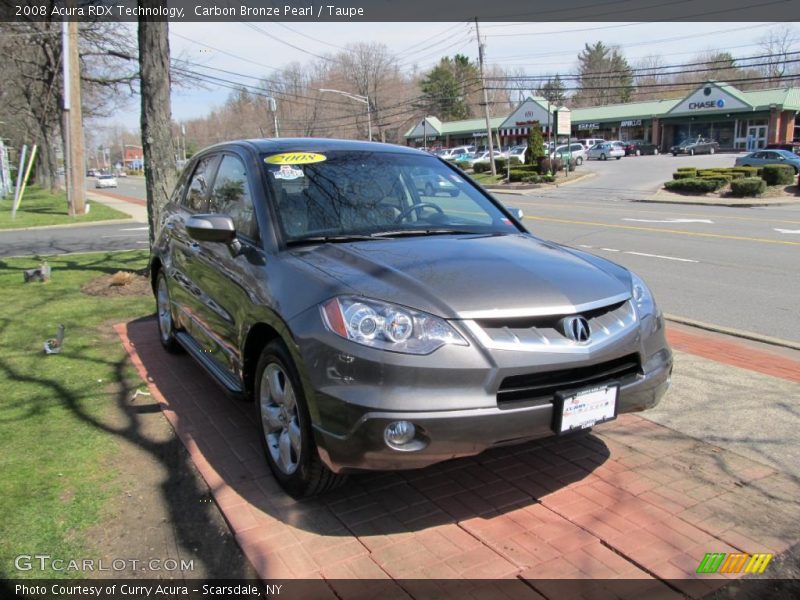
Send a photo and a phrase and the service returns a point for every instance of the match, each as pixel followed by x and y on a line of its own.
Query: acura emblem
pixel 576 328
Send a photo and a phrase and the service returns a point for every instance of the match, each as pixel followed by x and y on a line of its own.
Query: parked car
pixel 517 154
pixel 589 142
pixel 770 157
pixel 105 181
pixel 696 146
pixel 430 183
pixel 793 147
pixel 479 157
pixel 606 150
pixel 576 152
pixel 377 329
pixel 639 147
pixel 458 151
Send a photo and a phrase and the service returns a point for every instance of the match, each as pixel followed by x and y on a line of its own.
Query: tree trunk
pixel 156 117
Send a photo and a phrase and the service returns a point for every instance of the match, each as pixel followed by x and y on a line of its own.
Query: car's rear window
pixel 356 192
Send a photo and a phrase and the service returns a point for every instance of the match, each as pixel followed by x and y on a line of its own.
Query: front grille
pixel 543 386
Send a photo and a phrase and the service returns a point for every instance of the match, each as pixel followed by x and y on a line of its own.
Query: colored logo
pixel 720 103
pixel 720 562
pixel 295 158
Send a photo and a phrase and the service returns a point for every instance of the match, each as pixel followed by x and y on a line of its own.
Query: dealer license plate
pixel 585 408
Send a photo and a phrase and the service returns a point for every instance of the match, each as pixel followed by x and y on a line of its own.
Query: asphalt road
pixel 735 267
pixel 61 240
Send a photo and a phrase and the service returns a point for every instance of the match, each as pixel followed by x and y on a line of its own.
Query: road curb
pixel 661 198
pixel 538 187
pixel 740 333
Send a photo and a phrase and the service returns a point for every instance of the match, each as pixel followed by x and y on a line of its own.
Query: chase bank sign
pixel 707 104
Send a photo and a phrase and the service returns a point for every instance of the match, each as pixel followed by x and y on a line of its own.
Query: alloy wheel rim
pixel 164 314
pixel 279 418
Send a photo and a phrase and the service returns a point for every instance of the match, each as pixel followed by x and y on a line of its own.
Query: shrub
pixel 518 174
pixel 683 169
pixel 726 177
pixel 693 185
pixel 500 163
pixel 552 165
pixel 548 178
pixel 480 167
pixel 515 160
pixel 748 171
pixel 748 186
pixel 532 179
pixel 777 174
pixel 684 174
pixel 535 152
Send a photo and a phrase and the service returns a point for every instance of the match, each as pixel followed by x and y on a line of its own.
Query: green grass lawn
pixel 40 207
pixel 487 179
pixel 53 409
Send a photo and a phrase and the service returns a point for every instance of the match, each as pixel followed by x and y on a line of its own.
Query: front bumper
pixel 450 396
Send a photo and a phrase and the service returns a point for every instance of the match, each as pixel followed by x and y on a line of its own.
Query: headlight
pixel 387 326
pixel 642 296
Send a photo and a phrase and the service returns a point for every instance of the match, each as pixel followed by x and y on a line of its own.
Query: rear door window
pixel 231 196
pixel 196 200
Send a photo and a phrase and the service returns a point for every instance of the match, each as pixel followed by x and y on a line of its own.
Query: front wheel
pixel 166 326
pixel 603 157
pixel 691 152
pixel 619 157
pixel 286 434
pixel 711 150
pixel 655 152
pixel 579 161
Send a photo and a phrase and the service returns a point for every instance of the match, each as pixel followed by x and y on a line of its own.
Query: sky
pixel 257 49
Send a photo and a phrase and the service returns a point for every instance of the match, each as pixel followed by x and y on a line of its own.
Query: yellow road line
pixel 673 231
pixel 652 212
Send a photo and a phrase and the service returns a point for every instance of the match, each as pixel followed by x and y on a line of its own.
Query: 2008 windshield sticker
pixel 295 158
pixel 288 172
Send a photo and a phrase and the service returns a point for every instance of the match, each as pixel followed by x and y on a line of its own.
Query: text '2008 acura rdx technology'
pixel 381 325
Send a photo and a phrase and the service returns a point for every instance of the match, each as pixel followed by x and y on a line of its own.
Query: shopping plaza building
pixel 737 119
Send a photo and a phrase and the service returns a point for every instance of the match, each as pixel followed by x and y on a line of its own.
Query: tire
pixel 286 434
pixel 579 161
pixel 619 157
pixel 691 151
pixel 655 152
pixel 638 152
pixel 428 189
pixel 603 157
pixel 711 150
pixel 166 325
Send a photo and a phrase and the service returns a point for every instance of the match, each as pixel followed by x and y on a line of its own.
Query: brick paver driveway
pixel 632 500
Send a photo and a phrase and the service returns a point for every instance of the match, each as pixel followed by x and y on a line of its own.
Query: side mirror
pixel 211 228
pixel 517 212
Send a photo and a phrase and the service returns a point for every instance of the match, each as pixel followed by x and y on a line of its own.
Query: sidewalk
pixel 634 500
pixel 134 207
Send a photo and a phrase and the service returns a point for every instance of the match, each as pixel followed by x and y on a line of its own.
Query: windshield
pixel 347 193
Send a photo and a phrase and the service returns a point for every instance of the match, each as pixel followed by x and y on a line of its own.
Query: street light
pixel 357 98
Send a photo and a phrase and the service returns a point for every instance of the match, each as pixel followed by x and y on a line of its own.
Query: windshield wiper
pixel 412 232
pixel 332 239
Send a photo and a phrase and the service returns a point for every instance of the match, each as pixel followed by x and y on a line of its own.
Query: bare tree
pixel 776 47
pixel 156 116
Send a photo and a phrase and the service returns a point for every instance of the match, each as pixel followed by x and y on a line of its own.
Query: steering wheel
pixel 414 207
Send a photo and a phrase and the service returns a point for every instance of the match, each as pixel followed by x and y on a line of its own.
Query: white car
pixel 588 143
pixel 517 154
pixel 576 151
pixel 457 151
pixel 606 150
pixel 105 181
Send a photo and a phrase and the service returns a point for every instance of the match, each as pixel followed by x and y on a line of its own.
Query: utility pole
pixel 273 108
pixel 485 99
pixel 73 120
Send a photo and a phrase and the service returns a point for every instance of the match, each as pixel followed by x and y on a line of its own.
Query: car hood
pixel 471 276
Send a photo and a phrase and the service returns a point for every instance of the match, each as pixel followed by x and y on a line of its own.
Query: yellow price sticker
pixel 295 158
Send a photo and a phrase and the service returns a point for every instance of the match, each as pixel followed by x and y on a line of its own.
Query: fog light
pixel 399 433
